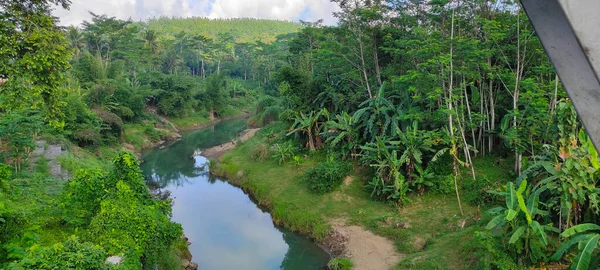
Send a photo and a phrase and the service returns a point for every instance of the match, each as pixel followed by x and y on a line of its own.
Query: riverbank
pixel 427 233
pixel 74 158
pixel 145 136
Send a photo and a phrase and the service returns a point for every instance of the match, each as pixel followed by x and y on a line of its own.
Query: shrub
pixel 340 264
pixel 284 151
pixel 486 252
pixel 442 184
pixel 71 254
pixel 86 136
pixel 142 232
pixel 270 115
pixel 153 134
pixel 476 192
pixel 260 152
pixel 5 173
pixel 327 176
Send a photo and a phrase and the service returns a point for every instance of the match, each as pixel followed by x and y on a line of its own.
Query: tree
pixel 34 54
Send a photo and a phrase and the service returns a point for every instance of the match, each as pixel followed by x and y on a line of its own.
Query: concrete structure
pixel 570 33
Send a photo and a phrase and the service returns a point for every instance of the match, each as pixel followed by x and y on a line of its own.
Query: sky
pixel 293 10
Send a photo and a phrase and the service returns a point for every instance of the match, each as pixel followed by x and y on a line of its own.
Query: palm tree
pixel 150 40
pixel 76 39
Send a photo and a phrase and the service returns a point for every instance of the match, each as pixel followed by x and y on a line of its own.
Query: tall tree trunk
pixel 518 74
pixel 376 58
pixel 450 118
pixel 554 97
pixel 364 66
pixel 470 117
pixel 492 116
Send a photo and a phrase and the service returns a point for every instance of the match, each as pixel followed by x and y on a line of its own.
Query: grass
pixel 191 120
pixel 201 117
pixel 79 158
pixel 434 228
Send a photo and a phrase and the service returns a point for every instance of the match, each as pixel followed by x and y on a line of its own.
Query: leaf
pixel 517 235
pixel 494 222
pixel 548 166
pixel 580 228
pixel 566 245
pixel 593 155
pixel 537 228
pixel 582 261
pixel 511 214
pixel 511 196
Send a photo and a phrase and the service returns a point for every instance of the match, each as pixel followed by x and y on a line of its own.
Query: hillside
pixel 243 30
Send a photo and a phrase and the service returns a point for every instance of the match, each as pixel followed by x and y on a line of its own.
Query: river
pixel 226 228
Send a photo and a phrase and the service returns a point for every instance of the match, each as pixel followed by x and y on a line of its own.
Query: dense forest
pixel 97 89
pixel 419 99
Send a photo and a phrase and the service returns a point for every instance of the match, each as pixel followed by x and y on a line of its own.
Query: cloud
pixel 275 9
pixel 293 10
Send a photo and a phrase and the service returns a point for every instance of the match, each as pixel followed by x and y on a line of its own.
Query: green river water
pixel 226 228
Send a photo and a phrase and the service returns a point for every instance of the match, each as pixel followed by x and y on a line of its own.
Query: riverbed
pixel 226 228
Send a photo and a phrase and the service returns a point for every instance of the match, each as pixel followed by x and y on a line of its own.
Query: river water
pixel 226 228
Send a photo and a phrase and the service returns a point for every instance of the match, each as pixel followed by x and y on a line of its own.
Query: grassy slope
pixel 433 240
pixel 243 30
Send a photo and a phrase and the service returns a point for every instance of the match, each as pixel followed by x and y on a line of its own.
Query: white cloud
pixel 275 9
pixel 293 10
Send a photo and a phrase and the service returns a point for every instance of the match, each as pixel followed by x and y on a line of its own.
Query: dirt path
pixel 367 250
pixel 219 150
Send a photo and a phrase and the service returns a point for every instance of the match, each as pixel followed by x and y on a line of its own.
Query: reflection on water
pixel 227 230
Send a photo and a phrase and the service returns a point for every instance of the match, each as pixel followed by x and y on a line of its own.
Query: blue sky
pixel 308 10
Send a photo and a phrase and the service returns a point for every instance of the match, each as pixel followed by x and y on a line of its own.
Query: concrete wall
pixel 584 16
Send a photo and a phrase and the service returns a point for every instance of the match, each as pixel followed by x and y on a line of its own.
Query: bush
pixel 5 173
pixel 442 184
pixel 326 176
pixel 284 151
pixel 476 192
pixel 259 152
pixel 71 254
pixel 340 264
pixel 153 134
pixel 486 252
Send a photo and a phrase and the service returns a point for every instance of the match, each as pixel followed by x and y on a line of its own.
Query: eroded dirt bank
pixel 219 150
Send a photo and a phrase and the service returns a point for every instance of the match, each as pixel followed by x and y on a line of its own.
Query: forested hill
pixel 243 29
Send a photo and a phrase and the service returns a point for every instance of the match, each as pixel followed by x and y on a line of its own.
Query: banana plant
pixel 342 131
pixel 311 125
pixel 572 179
pixel 587 238
pixel 519 219
pixel 389 182
pixel 413 144
pixel 422 178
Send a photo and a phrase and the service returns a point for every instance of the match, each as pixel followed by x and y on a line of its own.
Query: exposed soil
pixel 219 150
pixel 348 180
pixel 367 250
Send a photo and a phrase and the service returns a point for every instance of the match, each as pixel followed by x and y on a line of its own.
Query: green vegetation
pixel 432 218
pixel 326 176
pixel 465 151
pixel 340 264
pixel 95 90
pixel 245 30
pixel 427 101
